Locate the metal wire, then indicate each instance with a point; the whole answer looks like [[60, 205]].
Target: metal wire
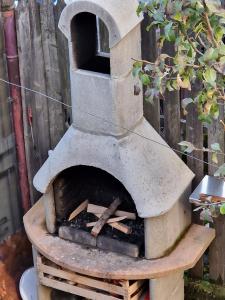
[[109, 122]]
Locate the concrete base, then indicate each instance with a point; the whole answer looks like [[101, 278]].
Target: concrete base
[[168, 288], [162, 232]]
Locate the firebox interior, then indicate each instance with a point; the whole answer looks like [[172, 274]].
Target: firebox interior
[[85, 40], [76, 184]]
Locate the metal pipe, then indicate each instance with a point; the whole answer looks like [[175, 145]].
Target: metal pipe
[[17, 110]]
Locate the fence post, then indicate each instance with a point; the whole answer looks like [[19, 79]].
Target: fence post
[[217, 252], [194, 134], [172, 109], [149, 52], [217, 249]]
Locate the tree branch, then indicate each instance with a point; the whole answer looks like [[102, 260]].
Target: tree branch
[[209, 25]]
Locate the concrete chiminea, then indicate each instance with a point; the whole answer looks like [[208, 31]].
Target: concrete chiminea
[[105, 114]]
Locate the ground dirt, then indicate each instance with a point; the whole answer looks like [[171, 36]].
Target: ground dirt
[[15, 257]]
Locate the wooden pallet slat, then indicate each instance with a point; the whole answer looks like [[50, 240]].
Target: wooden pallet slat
[[135, 286], [76, 290], [86, 281], [53, 276]]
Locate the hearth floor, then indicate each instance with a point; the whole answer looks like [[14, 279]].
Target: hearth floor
[[101, 264]]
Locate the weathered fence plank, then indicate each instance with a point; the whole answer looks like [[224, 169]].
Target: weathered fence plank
[[217, 249], [216, 135], [63, 59], [40, 70], [172, 130], [10, 214], [217, 252], [149, 52], [52, 72], [32, 75], [194, 134]]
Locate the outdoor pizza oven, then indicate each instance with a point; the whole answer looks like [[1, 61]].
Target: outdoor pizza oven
[[111, 153]]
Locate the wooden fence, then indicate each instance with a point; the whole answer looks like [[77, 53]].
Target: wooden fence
[[10, 209], [44, 66]]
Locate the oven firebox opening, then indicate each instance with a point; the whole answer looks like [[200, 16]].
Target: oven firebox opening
[[82, 194]]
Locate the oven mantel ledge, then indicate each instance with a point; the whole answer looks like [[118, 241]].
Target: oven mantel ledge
[[97, 263]]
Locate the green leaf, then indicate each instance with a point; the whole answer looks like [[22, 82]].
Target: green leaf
[[185, 83], [205, 118], [222, 209], [187, 147], [186, 101], [219, 32], [206, 215], [178, 16], [149, 67], [214, 210], [137, 67], [210, 54], [154, 23], [222, 59], [169, 86], [210, 76], [214, 157], [216, 147], [222, 50], [220, 172], [145, 79], [214, 110], [169, 32]]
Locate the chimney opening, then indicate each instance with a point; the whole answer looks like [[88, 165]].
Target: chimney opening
[[90, 39]]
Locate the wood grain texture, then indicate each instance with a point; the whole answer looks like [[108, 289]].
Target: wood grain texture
[[114, 266], [217, 252], [41, 69], [105, 216], [216, 135], [10, 213], [78, 210], [217, 249], [109, 221], [194, 135], [96, 209], [172, 130], [52, 72], [149, 52]]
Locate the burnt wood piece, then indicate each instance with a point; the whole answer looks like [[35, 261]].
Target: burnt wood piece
[[102, 242], [109, 244], [105, 216], [78, 210], [98, 210], [109, 221], [119, 226], [77, 236]]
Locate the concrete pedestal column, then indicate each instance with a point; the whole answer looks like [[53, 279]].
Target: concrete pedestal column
[[161, 234], [168, 288]]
